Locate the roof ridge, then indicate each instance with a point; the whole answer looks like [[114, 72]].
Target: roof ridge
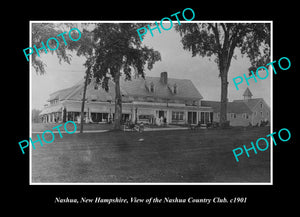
[[136, 86], [232, 107]]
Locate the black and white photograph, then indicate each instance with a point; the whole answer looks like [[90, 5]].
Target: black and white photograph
[[152, 107]]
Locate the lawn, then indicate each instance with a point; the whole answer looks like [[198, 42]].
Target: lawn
[[41, 127], [204, 155]]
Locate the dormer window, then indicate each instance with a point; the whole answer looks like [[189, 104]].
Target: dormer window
[[55, 101], [152, 87], [175, 89]]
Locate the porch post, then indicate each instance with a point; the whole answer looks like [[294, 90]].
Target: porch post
[[167, 116], [62, 114], [186, 116]]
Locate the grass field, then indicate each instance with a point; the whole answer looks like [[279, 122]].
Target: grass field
[[40, 127], [162, 156]]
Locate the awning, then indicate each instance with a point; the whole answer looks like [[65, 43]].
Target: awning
[[99, 107], [75, 107], [145, 111], [51, 109]]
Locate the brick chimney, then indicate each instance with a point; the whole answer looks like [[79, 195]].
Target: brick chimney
[[164, 77]]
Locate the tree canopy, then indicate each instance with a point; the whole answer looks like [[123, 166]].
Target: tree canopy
[[219, 40], [118, 49], [41, 32], [111, 50]]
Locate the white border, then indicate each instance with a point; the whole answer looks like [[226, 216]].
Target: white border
[[152, 183]]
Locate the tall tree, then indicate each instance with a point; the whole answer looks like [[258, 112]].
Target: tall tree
[[111, 49], [118, 51], [35, 115], [41, 32], [219, 40]]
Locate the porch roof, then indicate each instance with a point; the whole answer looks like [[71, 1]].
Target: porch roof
[[51, 109]]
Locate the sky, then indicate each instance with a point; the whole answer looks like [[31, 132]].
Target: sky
[[176, 61]]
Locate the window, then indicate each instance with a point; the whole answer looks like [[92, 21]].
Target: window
[[232, 115], [55, 101], [261, 114], [178, 116], [175, 89], [152, 87], [145, 117], [245, 115], [99, 117], [261, 105], [190, 102], [255, 113]]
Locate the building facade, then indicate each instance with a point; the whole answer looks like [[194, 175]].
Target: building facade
[[153, 100], [245, 112]]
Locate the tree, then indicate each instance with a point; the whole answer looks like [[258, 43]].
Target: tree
[[35, 115], [219, 40], [41, 32], [117, 51], [111, 49]]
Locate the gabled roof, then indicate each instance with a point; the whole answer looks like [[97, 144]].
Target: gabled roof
[[135, 87], [251, 103], [65, 93], [140, 87], [91, 93], [232, 107]]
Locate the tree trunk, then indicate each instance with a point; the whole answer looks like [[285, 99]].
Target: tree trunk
[[224, 93], [82, 104], [118, 102]]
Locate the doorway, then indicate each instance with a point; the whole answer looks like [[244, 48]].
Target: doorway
[[162, 116], [192, 117], [161, 113]]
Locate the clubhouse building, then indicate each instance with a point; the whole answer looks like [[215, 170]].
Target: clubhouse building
[[153, 100]]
